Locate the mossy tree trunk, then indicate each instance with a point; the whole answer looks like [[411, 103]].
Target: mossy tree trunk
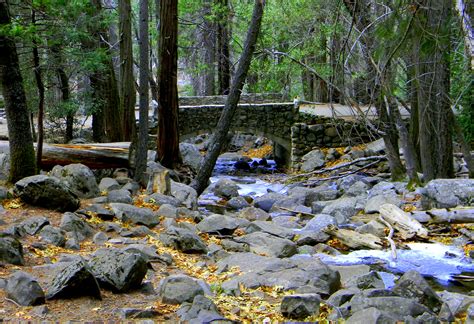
[[22, 154]]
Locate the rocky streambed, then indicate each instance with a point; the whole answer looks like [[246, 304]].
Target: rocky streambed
[[263, 251]]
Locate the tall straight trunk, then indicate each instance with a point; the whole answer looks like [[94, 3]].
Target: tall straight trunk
[[414, 132], [107, 121], [204, 55], [223, 55], [22, 154], [40, 86], [222, 128], [168, 136], [127, 81], [467, 24], [141, 155], [435, 118], [362, 20]]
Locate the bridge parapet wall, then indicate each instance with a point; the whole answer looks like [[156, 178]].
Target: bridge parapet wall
[[273, 121], [323, 132], [252, 98]]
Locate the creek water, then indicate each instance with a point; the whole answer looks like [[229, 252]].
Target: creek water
[[433, 260]]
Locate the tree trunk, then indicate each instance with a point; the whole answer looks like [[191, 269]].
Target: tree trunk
[[127, 81], [107, 123], [141, 155], [435, 118], [22, 155], [204, 55], [361, 18], [40, 86], [222, 128], [467, 24], [95, 156], [223, 55], [168, 136]]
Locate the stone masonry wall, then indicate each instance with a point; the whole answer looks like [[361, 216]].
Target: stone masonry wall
[[273, 121], [254, 98], [313, 132]]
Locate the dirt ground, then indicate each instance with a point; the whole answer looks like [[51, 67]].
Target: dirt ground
[[84, 309]]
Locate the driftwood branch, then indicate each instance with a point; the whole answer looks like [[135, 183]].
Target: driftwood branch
[[393, 247], [354, 239], [314, 182], [407, 226], [340, 166]]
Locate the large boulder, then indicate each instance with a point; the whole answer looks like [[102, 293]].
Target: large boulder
[[309, 274], [118, 270], [178, 289], [70, 222], [226, 188], [202, 310], [183, 240], [119, 196], [319, 222], [52, 235], [300, 306], [218, 224], [371, 316], [48, 192], [34, 224], [313, 160], [270, 228], [24, 289], [108, 184], [266, 201], [191, 155], [448, 193], [135, 215], [413, 285], [80, 179], [11, 250], [253, 213], [398, 307], [73, 279], [267, 244], [343, 208], [185, 194]]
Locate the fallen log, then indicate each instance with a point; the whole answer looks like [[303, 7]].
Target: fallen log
[[453, 216], [407, 226], [95, 156], [354, 239], [463, 215]]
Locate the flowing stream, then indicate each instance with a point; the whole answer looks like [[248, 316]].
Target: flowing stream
[[433, 260]]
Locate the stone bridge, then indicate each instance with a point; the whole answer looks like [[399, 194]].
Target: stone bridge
[[293, 131]]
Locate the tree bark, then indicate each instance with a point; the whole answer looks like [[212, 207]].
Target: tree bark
[[22, 155], [141, 154], [127, 81], [360, 11], [168, 136], [95, 156], [204, 55], [40, 86], [222, 128], [223, 55], [435, 118], [106, 122], [467, 24]]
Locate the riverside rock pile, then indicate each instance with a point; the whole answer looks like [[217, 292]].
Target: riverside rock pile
[[120, 253]]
